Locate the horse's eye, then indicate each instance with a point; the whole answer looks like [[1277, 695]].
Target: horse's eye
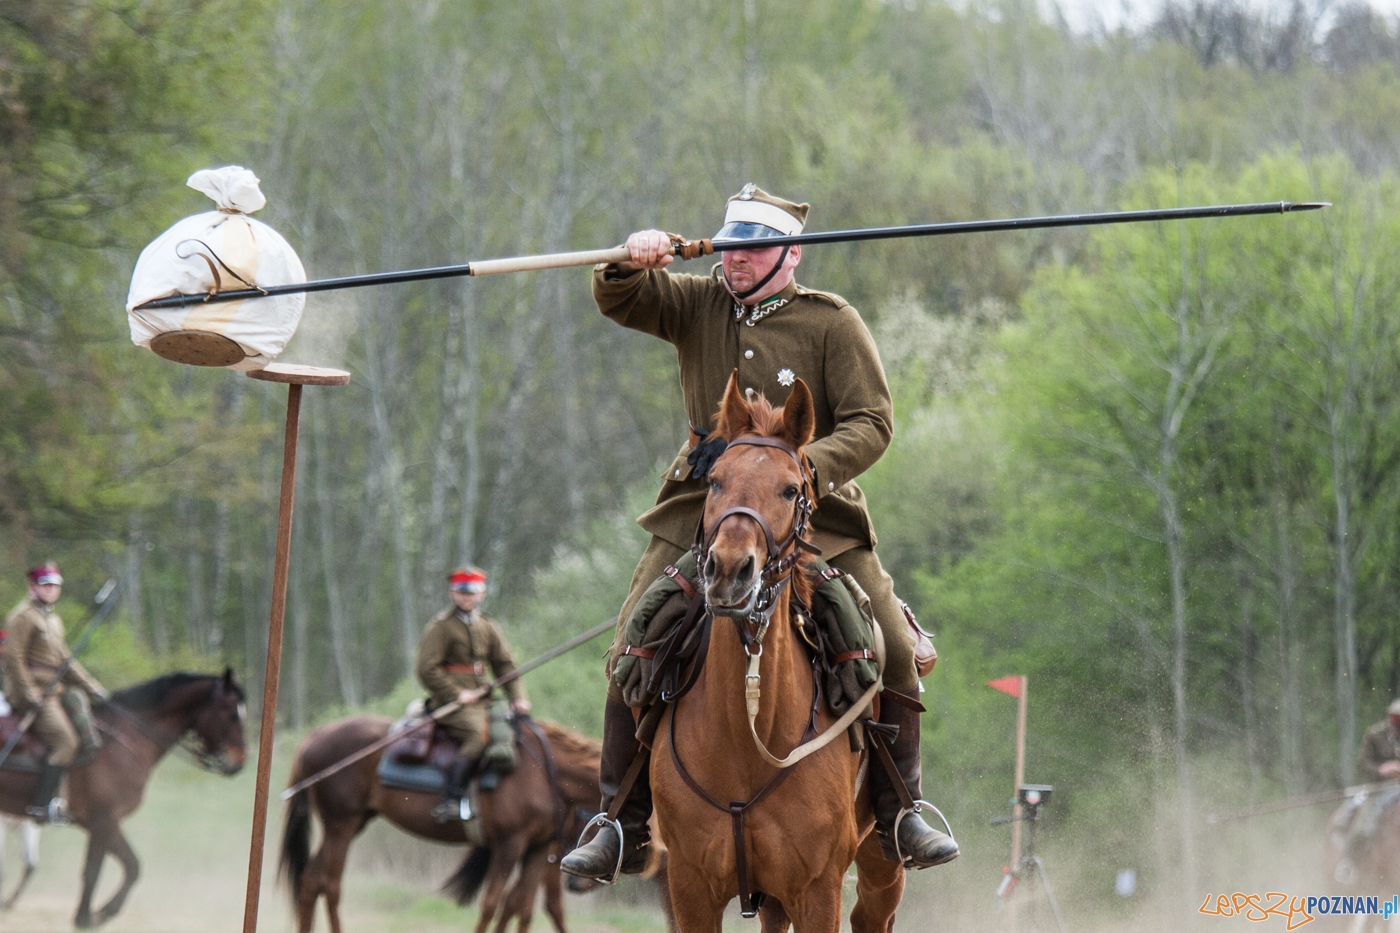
[[790, 493], [714, 486]]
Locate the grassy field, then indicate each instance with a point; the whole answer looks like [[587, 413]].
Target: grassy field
[[192, 835]]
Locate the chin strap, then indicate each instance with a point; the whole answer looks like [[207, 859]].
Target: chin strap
[[740, 296]]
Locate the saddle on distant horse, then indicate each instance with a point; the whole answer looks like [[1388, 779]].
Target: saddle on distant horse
[[28, 753]]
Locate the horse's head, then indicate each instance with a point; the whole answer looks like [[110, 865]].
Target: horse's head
[[217, 724], [759, 501]]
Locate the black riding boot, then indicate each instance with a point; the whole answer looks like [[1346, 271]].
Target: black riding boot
[[456, 798], [598, 859], [919, 845], [47, 806]]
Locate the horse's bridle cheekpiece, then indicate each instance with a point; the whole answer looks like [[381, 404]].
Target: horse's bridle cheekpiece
[[753, 618]]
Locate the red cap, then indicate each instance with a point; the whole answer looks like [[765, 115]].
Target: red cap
[[467, 580], [45, 573]]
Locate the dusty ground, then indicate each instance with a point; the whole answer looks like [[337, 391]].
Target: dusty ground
[[192, 834]]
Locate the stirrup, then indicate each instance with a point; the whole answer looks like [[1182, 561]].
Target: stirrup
[[1345, 872], [602, 820], [903, 812], [449, 810], [54, 813]]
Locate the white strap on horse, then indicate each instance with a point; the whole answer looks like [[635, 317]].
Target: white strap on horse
[[751, 698]]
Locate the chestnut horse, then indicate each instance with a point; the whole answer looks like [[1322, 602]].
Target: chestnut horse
[[202, 712], [803, 826], [520, 820]]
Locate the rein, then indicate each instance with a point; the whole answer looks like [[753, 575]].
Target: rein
[[749, 900], [753, 619], [168, 739], [559, 803], [752, 622]]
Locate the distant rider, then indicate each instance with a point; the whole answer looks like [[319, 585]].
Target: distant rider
[[35, 650], [461, 651], [1377, 760]]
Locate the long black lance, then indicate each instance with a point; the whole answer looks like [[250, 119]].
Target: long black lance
[[694, 249], [447, 709], [103, 603]]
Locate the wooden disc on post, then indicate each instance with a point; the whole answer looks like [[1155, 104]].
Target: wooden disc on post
[[296, 374], [197, 348]]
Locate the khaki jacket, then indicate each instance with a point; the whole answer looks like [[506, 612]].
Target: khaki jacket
[[35, 648], [1378, 746], [814, 336], [456, 655]]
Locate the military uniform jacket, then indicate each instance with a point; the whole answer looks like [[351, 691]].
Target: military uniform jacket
[[457, 654], [799, 333], [1378, 746], [34, 650]]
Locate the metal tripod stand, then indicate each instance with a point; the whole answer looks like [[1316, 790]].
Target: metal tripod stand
[[1031, 798]]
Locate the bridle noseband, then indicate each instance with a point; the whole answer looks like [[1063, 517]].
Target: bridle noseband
[[753, 618]]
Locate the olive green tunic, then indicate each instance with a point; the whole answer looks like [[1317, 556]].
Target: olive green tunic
[[799, 333], [460, 653], [35, 648], [1378, 746], [814, 336]]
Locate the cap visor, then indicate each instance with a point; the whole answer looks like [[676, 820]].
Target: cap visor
[[49, 578], [469, 587], [745, 231]]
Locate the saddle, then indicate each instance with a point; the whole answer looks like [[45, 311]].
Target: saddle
[[28, 754], [432, 747]]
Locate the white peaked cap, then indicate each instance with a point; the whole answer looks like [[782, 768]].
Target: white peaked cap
[[233, 187]]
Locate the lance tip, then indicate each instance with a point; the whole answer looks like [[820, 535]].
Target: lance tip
[[1305, 205]]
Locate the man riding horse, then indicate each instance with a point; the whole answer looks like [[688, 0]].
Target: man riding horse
[[751, 318], [1378, 760], [35, 651], [458, 649]]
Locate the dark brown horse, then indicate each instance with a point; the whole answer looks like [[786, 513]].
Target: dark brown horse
[[800, 832], [203, 712], [520, 821]]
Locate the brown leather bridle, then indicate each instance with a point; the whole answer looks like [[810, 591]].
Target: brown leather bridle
[[752, 619]]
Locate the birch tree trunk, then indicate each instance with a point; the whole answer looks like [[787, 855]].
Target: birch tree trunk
[[330, 571]]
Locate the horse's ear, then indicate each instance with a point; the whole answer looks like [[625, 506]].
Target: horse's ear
[[228, 677], [799, 416], [735, 420]]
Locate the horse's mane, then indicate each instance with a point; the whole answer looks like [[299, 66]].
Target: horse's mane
[[766, 420], [568, 742], [152, 693]]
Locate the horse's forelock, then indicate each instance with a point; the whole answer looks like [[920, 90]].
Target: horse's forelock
[[762, 418]]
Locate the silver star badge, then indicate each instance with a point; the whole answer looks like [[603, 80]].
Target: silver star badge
[[747, 193], [786, 377]]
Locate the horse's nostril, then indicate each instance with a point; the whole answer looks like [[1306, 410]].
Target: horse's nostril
[[710, 567], [745, 572]]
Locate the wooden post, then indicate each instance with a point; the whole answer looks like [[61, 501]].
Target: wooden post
[[295, 377], [1020, 774], [1017, 810]]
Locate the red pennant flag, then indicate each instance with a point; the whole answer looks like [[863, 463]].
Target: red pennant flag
[[1011, 686]]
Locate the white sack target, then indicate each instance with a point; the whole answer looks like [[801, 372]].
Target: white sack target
[[220, 250]]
